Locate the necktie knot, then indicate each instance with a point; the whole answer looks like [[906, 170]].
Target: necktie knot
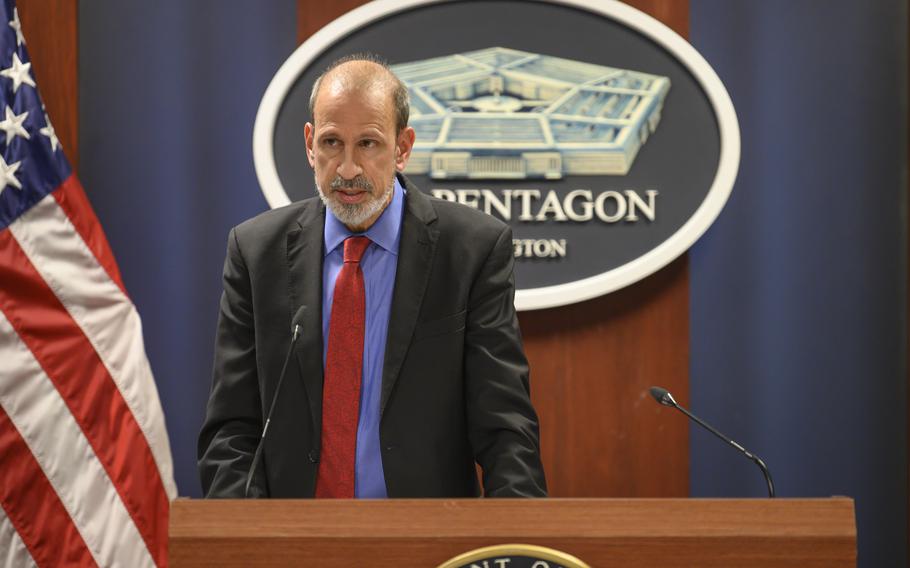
[[354, 247]]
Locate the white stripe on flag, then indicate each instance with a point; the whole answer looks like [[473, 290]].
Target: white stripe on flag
[[106, 316], [13, 551], [39, 413]]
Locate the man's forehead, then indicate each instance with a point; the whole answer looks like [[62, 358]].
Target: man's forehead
[[357, 77], [353, 106], [339, 92], [348, 104]]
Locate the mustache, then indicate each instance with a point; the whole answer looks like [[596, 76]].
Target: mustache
[[358, 182]]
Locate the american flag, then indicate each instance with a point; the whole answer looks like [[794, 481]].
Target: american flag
[[85, 466]]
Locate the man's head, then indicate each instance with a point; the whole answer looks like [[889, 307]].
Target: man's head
[[358, 138]]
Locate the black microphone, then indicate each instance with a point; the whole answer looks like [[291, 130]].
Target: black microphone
[[295, 333], [664, 397]]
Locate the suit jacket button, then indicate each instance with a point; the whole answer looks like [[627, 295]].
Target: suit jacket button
[[313, 456]]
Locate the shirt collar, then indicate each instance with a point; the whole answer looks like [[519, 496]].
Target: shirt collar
[[385, 232]]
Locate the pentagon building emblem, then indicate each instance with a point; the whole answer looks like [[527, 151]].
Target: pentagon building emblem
[[501, 113]]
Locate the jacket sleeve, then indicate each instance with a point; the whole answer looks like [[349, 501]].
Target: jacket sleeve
[[233, 418], [502, 423]]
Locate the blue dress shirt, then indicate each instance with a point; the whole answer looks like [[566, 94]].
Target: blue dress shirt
[[379, 264]]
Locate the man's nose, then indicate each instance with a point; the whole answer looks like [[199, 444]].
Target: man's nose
[[348, 168]]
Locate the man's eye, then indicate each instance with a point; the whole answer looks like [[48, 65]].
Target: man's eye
[[368, 143], [330, 142]]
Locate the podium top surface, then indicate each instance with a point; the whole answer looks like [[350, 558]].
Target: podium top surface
[[611, 533], [504, 518]]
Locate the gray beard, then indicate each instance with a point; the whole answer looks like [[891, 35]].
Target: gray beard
[[356, 214]]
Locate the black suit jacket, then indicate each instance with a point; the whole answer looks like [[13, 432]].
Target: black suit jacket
[[455, 378]]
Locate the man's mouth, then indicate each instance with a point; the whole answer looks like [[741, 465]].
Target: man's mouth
[[351, 195]]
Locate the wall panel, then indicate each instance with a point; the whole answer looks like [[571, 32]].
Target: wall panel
[[50, 28]]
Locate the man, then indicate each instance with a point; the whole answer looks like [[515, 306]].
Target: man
[[409, 365]]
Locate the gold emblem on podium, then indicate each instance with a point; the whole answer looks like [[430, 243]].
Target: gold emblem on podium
[[514, 556]]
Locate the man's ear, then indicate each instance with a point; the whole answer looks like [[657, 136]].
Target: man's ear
[[403, 147], [308, 129]]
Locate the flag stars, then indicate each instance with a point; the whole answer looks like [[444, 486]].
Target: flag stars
[[18, 73], [8, 175], [12, 125], [17, 26], [49, 132]]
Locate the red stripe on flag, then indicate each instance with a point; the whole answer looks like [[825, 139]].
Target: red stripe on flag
[[33, 507], [72, 364], [72, 199]]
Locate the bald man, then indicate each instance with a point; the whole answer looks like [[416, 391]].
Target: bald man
[[409, 368]]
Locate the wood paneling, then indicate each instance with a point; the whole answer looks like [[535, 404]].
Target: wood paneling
[[617, 533], [314, 14], [592, 363], [51, 36], [673, 13], [591, 366]]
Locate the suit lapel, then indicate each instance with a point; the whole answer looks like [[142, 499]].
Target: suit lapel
[[305, 266], [415, 260]]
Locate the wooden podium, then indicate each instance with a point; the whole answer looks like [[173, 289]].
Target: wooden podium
[[601, 532]]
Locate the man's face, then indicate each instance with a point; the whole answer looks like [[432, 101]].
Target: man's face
[[355, 152]]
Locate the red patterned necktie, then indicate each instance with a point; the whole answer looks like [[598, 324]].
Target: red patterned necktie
[[343, 370]]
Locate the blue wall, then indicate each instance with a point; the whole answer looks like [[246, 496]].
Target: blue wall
[[168, 95], [798, 291]]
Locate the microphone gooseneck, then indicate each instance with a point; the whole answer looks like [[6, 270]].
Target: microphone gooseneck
[[663, 396], [295, 333]]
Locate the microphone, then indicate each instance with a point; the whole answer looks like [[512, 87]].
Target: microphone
[[664, 397], [295, 333]]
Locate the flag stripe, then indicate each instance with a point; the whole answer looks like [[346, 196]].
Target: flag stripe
[[45, 424], [71, 198], [13, 551], [79, 375], [106, 316], [32, 505]]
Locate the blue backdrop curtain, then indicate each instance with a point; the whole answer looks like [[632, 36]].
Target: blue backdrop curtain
[[798, 291], [168, 95]]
